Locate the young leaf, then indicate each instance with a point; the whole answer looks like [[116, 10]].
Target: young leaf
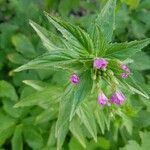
[[100, 44], [125, 50], [75, 35], [106, 19]]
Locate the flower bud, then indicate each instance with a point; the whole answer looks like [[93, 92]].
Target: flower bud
[[74, 79], [125, 68], [102, 99], [124, 75], [100, 63], [117, 98]]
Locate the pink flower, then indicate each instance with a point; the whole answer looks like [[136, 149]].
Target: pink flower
[[102, 99], [100, 63], [74, 79], [117, 98], [125, 68], [124, 75]]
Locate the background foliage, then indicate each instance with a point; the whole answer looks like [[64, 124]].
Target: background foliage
[[33, 127]]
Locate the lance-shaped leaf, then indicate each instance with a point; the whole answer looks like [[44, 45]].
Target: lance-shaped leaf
[[62, 125], [75, 128], [125, 50], [106, 19], [52, 139], [132, 86], [81, 91], [51, 60], [17, 141], [50, 40], [100, 117], [47, 95], [75, 35], [86, 116], [100, 43]]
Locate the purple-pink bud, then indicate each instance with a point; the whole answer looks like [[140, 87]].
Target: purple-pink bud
[[102, 99], [124, 75], [100, 63], [74, 79], [125, 68], [117, 98]]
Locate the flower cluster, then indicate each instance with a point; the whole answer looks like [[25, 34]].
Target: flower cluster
[[117, 97], [126, 71]]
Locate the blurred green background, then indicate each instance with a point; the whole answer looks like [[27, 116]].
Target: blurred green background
[[19, 44]]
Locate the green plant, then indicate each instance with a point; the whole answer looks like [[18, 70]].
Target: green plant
[[75, 53]]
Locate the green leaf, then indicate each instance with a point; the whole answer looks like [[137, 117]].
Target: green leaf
[[37, 85], [17, 143], [125, 50], [75, 35], [23, 45], [75, 128], [81, 91], [145, 136], [52, 60], [100, 117], [86, 116], [100, 44], [74, 144], [49, 39], [33, 137], [7, 90], [47, 95], [47, 115], [133, 86], [62, 125], [141, 61], [17, 58], [9, 109], [65, 6], [102, 143], [132, 145], [127, 122], [7, 125], [106, 19], [132, 3], [52, 139]]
